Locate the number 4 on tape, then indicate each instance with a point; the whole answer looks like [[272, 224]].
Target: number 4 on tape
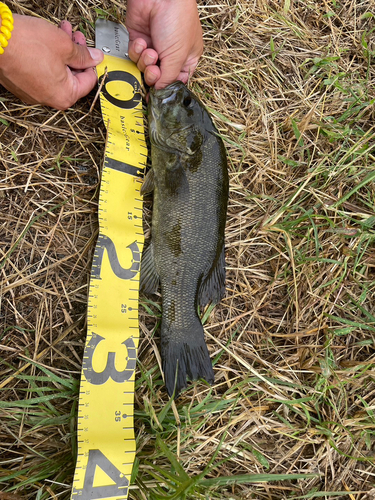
[[106, 444], [89, 492]]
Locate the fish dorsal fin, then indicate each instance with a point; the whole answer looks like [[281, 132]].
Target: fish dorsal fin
[[148, 183], [212, 288], [149, 282]]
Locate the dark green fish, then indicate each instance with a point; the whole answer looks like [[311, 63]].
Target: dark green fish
[[189, 178]]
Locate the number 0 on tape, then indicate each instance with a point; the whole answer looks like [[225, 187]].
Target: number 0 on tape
[[106, 444]]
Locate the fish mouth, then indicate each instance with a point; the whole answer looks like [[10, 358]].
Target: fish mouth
[[161, 134], [165, 95], [157, 98]]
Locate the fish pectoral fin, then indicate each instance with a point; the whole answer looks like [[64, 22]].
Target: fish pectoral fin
[[212, 288], [149, 282], [148, 183]]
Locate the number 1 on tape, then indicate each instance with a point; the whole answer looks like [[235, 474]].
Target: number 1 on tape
[[106, 444]]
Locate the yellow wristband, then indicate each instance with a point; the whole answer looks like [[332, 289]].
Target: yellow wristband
[[6, 27]]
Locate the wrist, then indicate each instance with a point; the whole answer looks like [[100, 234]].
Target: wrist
[[6, 26]]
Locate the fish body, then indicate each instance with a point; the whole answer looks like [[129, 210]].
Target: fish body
[[189, 178]]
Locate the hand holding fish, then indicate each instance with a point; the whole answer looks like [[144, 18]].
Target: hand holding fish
[[166, 31]]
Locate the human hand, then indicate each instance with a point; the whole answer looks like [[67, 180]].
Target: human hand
[[168, 31], [44, 64]]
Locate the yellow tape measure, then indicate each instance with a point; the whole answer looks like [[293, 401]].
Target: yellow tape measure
[[106, 444]]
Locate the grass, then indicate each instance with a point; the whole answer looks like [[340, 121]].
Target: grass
[[290, 86]]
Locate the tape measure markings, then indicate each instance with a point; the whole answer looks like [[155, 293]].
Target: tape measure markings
[[106, 444], [123, 167]]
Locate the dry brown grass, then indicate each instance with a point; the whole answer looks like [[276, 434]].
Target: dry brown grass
[[291, 87]]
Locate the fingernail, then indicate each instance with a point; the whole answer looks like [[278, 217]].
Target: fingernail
[[96, 54], [151, 77], [149, 59], [138, 48]]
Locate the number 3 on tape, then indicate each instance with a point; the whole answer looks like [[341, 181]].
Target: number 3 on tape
[[106, 444]]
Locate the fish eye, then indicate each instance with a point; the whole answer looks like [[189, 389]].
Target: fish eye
[[187, 102]]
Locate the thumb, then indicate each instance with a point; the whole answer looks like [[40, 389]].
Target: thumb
[[82, 57], [169, 70]]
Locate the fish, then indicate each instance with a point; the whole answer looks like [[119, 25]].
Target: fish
[[185, 256]]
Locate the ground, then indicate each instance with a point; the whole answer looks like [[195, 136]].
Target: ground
[[290, 85]]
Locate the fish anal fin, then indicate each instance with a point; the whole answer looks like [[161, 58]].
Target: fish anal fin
[[149, 282], [212, 288]]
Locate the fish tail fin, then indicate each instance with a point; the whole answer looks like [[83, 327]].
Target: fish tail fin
[[185, 354]]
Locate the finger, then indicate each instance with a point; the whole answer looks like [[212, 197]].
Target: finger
[[84, 82], [81, 57], [136, 47], [67, 27], [79, 38], [183, 77], [148, 57], [78, 84], [152, 74], [171, 72]]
